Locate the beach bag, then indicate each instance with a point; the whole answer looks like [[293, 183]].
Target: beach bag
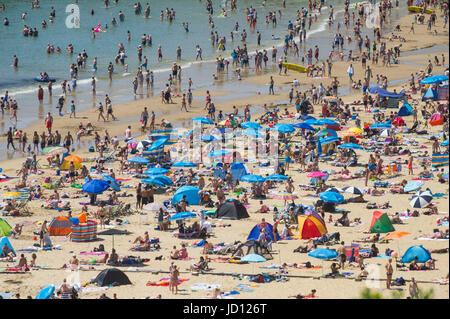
[[308, 264], [399, 282], [92, 149]]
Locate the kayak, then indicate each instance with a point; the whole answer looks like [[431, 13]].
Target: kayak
[[419, 9], [295, 67], [45, 80]]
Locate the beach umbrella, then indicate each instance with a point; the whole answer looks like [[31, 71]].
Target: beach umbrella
[[160, 142], [253, 178], [139, 160], [355, 130], [253, 258], [328, 140], [53, 150], [352, 146], [253, 133], [378, 126], [183, 215], [162, 178], [95, 186], [156, 171], [143, 144], [284, 128], [154, 207], [184, 164], [445, 143], [334, 189], [227, 123], [421, 199], [251, 125], [277, 177], [412, 252], [207, 138], [326, 122], [326, 133], [312, 121], [202, 120], [331, 197], [413, 186], [308, 117], [46, 292], [323, 253], [284, 196], [131, 140], [219, 153], [73, 158], [352, 190], [112, 183], [434, 79], [304, 126], [317, 174], [154, 181]]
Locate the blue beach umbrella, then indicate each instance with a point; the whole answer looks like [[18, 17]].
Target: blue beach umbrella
[[153, 181], [311, 122], [218, 153], [331, 197], [158, 144], [328, 140], [156, 171], [253, 258], [207, 138], [277, 177], [184, 164], [139, 160], [162, 178], [95, 186], [252, 125], [304, 126], [323, 253], [183, 215], [46, 292], [326, 122], [203, 120], [352, 146], [253, 178], [253, 133], [445, 143], [284, 128], [308, 117], [191, 192], [416, 251], [413, 186], [112, 183], [434, 79]]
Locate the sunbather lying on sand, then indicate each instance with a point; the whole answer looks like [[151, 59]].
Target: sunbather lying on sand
[[311, 295], [101, 260]]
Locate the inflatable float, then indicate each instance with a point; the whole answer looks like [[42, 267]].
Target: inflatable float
[[437, 122], [295, 67], [45, 80], [419, 9]]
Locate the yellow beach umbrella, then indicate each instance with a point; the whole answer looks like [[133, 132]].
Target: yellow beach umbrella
[[355, 130], [73, 158]]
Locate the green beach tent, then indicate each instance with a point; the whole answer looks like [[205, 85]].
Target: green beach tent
[[381, 223], [5, 229]]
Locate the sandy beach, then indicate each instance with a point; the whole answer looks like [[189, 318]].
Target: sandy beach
[[232, 276]]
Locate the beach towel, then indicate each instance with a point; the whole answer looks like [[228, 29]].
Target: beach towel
[[204, 286], [164, 282], [342, 275], [423, 238]]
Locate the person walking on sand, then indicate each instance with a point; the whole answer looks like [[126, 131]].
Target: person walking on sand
[[183, 102], [10, 139], [173, 282], [342, 255], [389, 273], [100, 112], [410, 164], [49, 122], [413, 289], [40, 94], [350, 72], [72, 110]]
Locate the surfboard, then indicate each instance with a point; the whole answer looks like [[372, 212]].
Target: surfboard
[[295, 67], [419, 9]]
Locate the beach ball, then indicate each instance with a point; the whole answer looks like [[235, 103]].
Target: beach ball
[[34, 238]]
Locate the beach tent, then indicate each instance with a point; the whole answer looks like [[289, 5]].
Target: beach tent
[[256, 231], [238, 170], [84, 232], [381, 223], [112, 276], [430, 94], [60, 226], [310, 227], [404, 109], [191, 192], [232, 209], [5, 240], [5, 228], [416, 251]]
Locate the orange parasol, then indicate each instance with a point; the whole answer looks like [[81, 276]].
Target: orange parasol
[[396, 235]]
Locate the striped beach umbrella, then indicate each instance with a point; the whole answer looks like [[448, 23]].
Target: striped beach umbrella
[[421, 199], [352, 190]]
